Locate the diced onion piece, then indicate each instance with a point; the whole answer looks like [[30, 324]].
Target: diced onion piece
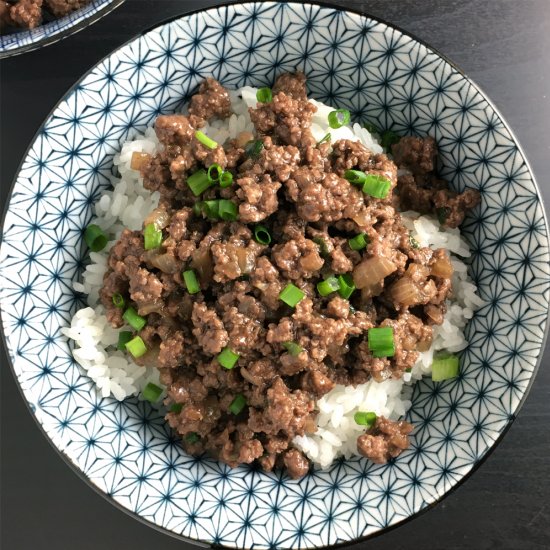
[[156, 306], [159, 217], [405, 292], [245, 259], [202, 263], [138, 159], [372, 271], [442, 268], [424, 345], [165, 262], [243, 138]]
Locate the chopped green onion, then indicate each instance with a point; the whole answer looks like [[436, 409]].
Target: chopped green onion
[[124, 336], [198, 182], [444, 367], [347, 286], [328, 286], [238, 404], [205, 140], [370, 127], [151, 392], [95, 238], [137, 322], [262, 235], [376, 186], [365, 418], [339, 118], [442, 214], [355, 177], [118, 300], [192, 437], [226, 179], [381, 342], [152, 237], [136, 346], [323, 248], [388, 138], [227, 210], [359, 242], [209, 208], [254, 148], [291, 295], [228, 359], [176, 408], [293, 348], [264, 95], [413, 242], [191, 281], [327, 137], [214, 173]]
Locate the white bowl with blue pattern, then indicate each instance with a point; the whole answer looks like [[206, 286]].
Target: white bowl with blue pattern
[[125, 450], [56, 29]]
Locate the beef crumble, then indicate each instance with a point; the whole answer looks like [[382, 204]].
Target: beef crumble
[[29, 14], [296, 189], [421, 190]]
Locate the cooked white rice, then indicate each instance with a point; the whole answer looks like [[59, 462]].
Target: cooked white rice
[[129, 203]]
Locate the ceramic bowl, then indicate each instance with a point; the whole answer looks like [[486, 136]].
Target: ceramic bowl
[[381, 74], [56, 29]]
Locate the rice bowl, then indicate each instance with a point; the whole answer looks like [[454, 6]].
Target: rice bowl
[[456, 430], [129, 203]]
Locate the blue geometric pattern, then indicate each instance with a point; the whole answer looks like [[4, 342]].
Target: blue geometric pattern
[[381, 75], [27, 40]]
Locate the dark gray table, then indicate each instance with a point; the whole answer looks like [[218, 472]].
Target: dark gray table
[[504, 46]]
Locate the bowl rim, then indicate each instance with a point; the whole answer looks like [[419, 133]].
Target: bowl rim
[[315, 3], [71, 29]]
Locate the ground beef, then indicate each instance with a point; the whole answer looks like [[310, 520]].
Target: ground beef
[[416, 154], [63, 7], [29, 14], [26, 13], [292, 84], [386, 439], [277, 359], [422, 191], [287, 118], [297, 465], [259, 199], [211, 101]]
